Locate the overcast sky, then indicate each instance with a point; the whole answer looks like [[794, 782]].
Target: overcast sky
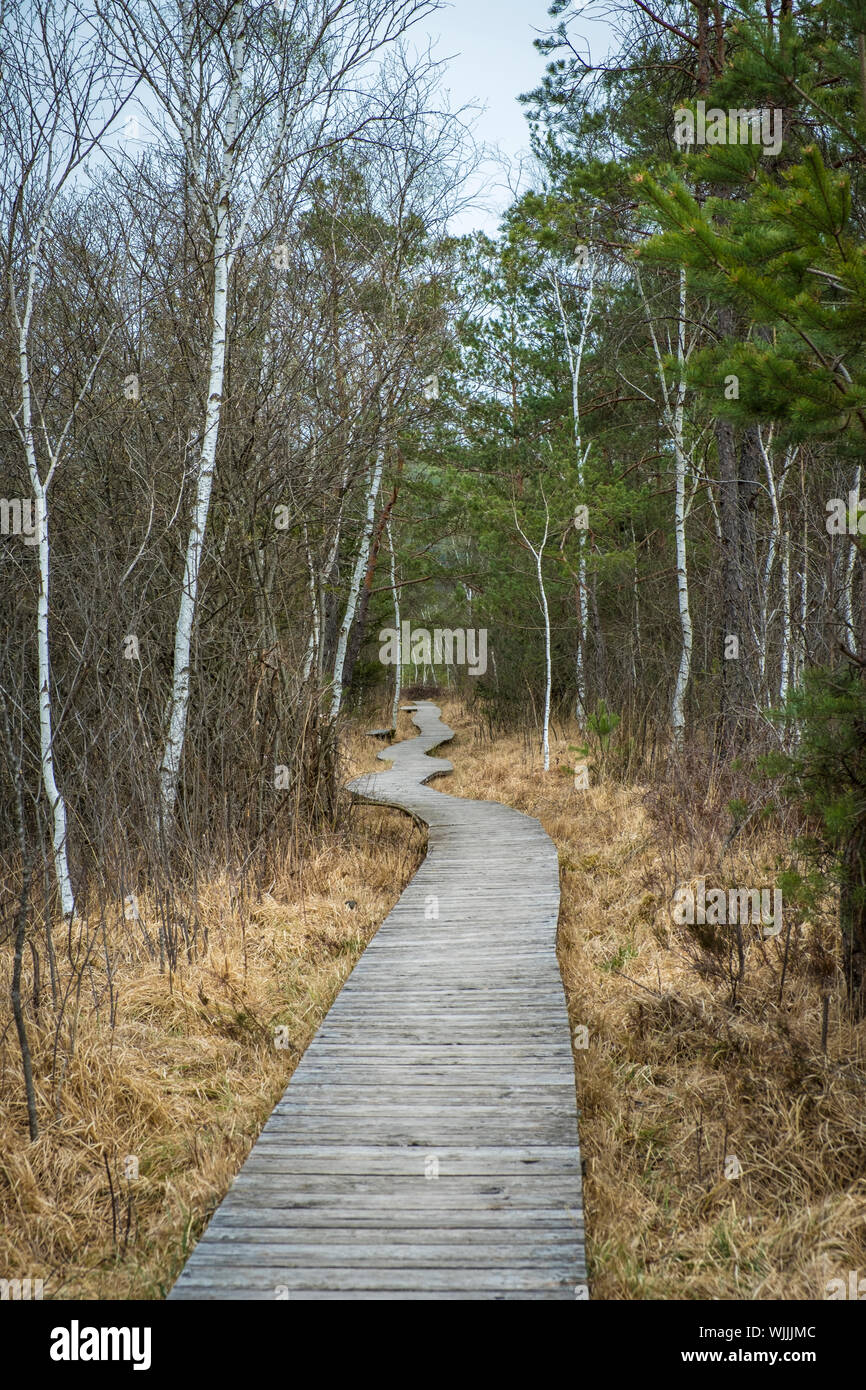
[[486, 47], [491, 61]]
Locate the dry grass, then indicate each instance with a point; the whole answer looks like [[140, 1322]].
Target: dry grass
[[675, 1078], [189, 1072]]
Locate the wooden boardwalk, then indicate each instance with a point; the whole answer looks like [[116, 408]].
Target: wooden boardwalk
[[426, 1145]]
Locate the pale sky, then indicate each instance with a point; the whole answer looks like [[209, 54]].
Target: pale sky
[[486, 47], [492, 60]]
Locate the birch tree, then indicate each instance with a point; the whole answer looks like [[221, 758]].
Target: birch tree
[[574, 349], [673, 414], [537, 553], [846, 603], [59, 100], [398, 667], [800, 646], [251, 98], [779, 543], [361, 559]]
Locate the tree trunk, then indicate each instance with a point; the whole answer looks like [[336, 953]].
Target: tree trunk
[[355, 587], [169, 769], [359, 626], [852, 918], [798, 651], [575, 353], [732, 586], [398, 669], [678, 716], [56, 803], [548, 672], [849, 630], [315, 637], [748, 493], [785, 656]]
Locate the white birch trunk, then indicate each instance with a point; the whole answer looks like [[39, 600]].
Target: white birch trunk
[[542, 599], [398, 676], [56, 802], [674, 412], [775, 546], [780, 541], [40, 487], [355, 587], [315, 625], [847, 598], [575, 362], [799, 650], [580, 709], [325, 573], [785, 657], [678, 717], [772, 547], [545, 731], [169, 768]]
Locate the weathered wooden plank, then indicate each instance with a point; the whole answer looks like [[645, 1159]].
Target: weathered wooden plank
[[241, 1292], [239, 1249], [428, 1135], [456, 1070], [351, 1108], [423, 1054], [474, 1160], [549, 1275], [483, 1191], [426, 1146], [466, 1225]]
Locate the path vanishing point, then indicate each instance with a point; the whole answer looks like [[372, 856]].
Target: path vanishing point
[[426, 1146]]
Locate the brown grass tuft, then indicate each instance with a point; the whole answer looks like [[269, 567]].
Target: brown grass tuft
[[187, 1072]]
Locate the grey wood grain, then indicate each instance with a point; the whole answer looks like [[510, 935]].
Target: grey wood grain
[[426, 1146]]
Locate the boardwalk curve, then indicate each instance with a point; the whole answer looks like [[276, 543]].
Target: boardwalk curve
[[426, 1146]]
